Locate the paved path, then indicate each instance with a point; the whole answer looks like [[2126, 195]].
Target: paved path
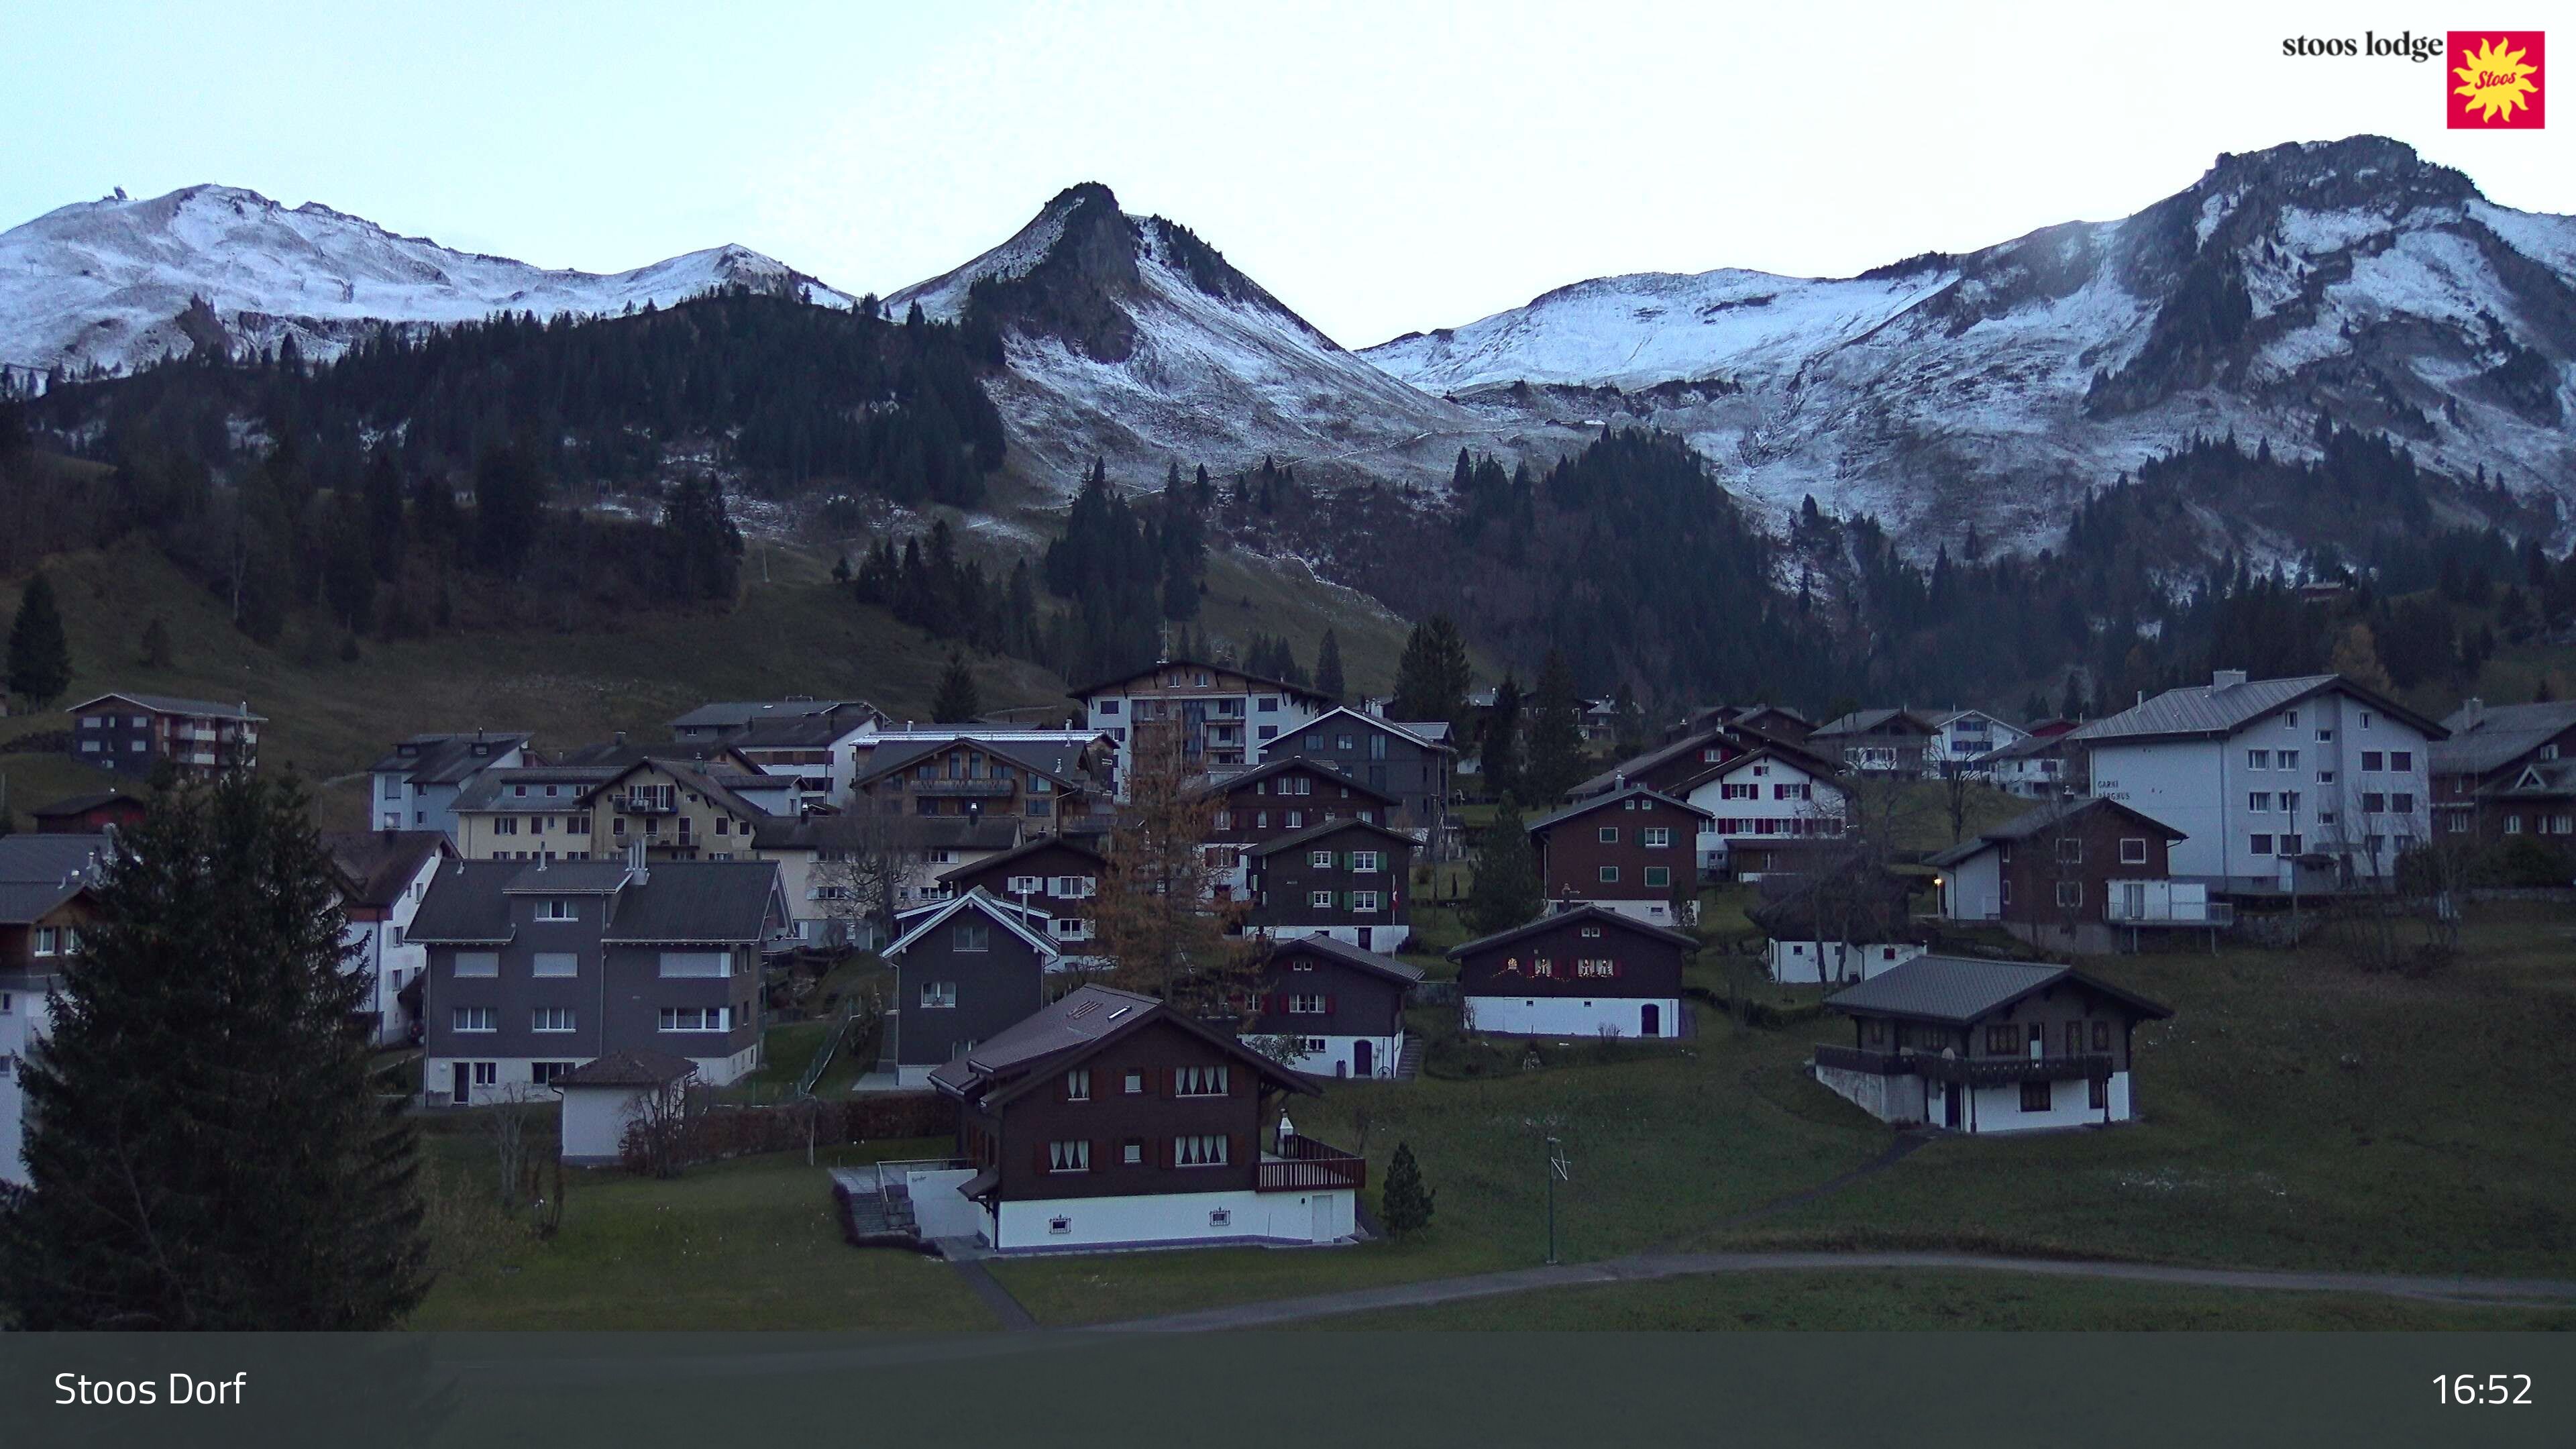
[[984, 1285], [1646, 1267]]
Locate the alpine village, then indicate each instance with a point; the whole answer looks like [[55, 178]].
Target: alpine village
[[775, 809]]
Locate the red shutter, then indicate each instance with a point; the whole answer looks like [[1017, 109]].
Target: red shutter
[[1328, 1005], [1041, 1152]]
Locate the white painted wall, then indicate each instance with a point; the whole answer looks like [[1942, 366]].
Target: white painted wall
[[1333, 1056], [438, 1082], [1568, 1016], [1655, 912], [1814, 963], [1889, 1099], [1973, 889], [22, 1025], [594, 1122], [1766, 815], [1998, 1109], [1385, 940], [1185, 1217], [939, 1209]]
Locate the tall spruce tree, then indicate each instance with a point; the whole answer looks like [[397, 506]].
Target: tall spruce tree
[[1432, 677], [207, 1144], [40, 658], [1507, 890], [1500, 751], [959, 701], [1406, 1203], [1556, 760], [1328, 667]]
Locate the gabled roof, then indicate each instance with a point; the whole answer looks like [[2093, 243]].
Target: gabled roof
[[1108, 686], [1294, 839], [621, 754], [173, 704], [69, 806], [1403, 973], [1059, 761], [1228, 784], [976, 900], [490, 789], [1602, 914], [2490, 737], [1603, 802], [379, 865], [567, 878], [802, 732], [38, 873], [465, 906], [2211, 711], [1812, 766], [1031, 848], [1744, 740], [2049, 817], [1071, 1028], [738, 713], [698, 902], [1291, 740], [1876, 721], [448, 759], [1941, 719], [2026, 748], [1958, 990], [634, 1067], [2540, 780]]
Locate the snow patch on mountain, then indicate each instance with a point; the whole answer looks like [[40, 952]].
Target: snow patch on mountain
[[102, 284]]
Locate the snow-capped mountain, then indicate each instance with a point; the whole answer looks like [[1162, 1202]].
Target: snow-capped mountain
[[2349, 280], [1129, 337], [107, 283]]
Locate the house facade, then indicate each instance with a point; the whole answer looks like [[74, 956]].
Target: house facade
[[1387, 757], [1330, 1009], [2501, 775], [536, 967], [1106, 1119], [1053, 877], [135, 734], [1280, 798], [1761, 805], [2035, 767], [1345, 879], [1895, 742], [384, 874], [1962, 737], [45, 903], [669, 809], [1225, 716], [2073, 874], [1970, 1045], [415, 785], [964, 973], [1586, 972], [1633, 850], [2257, 775], [1045, 789], [90, 814]]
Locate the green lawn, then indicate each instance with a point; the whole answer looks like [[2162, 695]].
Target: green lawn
[[1872, 1299], [747, 1244]]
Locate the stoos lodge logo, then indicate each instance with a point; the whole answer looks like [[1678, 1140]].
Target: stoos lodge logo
[[2493, 80]]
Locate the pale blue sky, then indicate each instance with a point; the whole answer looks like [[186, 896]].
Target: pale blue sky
[[1381, 167]]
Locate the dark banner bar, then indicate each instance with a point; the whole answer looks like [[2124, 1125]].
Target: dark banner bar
[[1300, 1389]]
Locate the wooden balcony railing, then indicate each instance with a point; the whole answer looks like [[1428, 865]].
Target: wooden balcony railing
[[1966, 1071], [1309, 1166]]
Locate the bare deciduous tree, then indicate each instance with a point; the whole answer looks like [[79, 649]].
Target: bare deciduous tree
[[1157, 917]]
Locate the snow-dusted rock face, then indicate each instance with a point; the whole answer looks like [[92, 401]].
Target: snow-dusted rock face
[[1129, 337], [2347, 279], [105, 283]]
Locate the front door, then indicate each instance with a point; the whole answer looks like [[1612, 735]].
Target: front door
[[462, 1093], [1950, 1106], [1364, 1058], [1650, 1020]]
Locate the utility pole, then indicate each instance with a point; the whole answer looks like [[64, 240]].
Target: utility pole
[[1557, 1168]]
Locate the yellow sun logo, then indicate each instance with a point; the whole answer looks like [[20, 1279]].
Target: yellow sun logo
[[2494, 81]]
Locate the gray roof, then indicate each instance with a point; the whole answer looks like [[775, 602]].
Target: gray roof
[[1012, 919], [1291, 740], [2027, 747], [2202, 711], [490, 790], [464, 904], [1103, 686], [1297, 838], [1962, 989], [46, 858], [1603, 914], [381, 864], [1872, 721], [2047, 817], [1216, 783], [1585, 807], [2495, 736], [23, 903], [173, 704], [737, 713], [1030, 847], [567, 878], [1058, 760], [1387, 966], [2550, 780], [635, 1067], [804, 731], [447, 759], [677, 901], [1084, 1017]]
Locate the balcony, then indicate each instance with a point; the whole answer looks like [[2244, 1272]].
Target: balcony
[[962, 787], [649, 804], [1966, 1071], [1310, 1166], [2121, 912]]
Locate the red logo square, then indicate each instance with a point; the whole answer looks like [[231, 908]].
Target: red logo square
[[2492, 80]]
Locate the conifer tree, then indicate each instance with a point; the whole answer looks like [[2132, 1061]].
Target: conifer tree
[[40, 658], [959, 702], [1500, 750], [1556, 761], [207, 1145], [1432, 677], [1405, 1205], [1328, 667], [1506, 890]]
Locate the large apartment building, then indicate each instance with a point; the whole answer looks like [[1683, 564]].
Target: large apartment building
[[1225, 715], [135, 734]]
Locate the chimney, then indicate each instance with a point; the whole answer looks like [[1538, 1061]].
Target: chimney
[[2473, 712], [2226, 678], [619, 738], [636, 873]]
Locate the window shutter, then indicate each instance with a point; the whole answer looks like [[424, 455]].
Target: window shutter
[[1039, 1149], [1328, 1005]]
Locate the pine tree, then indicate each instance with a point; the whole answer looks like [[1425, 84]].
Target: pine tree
[[1506, 890], [1500, 750], [1328, 667], [1405, 1204], [207, 1148], [959, 701], [1556, 760], [40, 658], [1432, 677]]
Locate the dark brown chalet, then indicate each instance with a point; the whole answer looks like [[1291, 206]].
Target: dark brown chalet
[[2504, 776], [2072, 874], [1286, 796], [1411, 762], [1634, 850], [1344, 879], [1106, 1118], [1050, 788], [1052, 876], [1585, 972], [90, 814], [1330, 1009], [1676, 766]]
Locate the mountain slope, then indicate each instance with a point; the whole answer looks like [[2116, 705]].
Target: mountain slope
[[1129, 337], [2346, 280], [106, 283]]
